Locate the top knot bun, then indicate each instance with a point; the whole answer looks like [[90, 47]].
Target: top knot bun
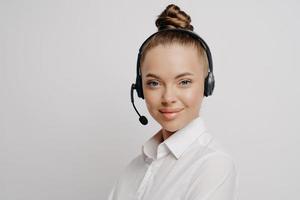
[[173, 17]]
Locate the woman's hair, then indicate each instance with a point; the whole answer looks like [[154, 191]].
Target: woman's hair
[[173, 17]]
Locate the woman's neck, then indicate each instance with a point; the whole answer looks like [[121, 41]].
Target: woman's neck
[[166, 134]]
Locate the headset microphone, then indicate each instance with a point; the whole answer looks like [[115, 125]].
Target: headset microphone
[[142, 119]]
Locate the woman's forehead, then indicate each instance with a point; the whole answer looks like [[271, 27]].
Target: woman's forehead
[[171, 58]]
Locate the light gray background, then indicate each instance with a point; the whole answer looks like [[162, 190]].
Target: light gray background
[[67, 126]]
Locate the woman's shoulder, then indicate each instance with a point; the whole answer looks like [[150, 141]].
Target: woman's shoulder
[[132, 166], [216, 161], [136, 162], [211, 151], [214, 171]]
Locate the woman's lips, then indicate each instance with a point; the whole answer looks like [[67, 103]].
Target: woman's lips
[[170, 114]]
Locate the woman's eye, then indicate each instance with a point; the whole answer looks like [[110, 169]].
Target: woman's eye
[[186, 82], [152, 83]]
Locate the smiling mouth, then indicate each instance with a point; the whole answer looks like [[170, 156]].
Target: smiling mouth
[[170, 115]]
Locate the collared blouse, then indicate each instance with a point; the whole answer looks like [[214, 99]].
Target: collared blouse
[[189, 165]]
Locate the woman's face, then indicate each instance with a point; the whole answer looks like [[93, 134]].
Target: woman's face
[[173, 85]]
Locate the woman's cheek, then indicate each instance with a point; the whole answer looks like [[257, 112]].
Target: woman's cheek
[[152, 98], [193, 97], [152, 103]]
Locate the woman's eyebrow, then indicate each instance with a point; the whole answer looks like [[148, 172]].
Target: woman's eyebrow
[[178, 76]]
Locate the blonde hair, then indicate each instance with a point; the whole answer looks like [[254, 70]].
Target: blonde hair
[[173, 17]]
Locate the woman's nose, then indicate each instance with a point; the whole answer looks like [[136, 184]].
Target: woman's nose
[[168, 96]]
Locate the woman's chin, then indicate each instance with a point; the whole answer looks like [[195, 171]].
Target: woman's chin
[[170, 127]]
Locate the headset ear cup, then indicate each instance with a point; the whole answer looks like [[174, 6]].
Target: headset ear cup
[[139, 88], [209, 84]]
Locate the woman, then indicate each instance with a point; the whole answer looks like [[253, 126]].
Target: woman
[[182, 161]]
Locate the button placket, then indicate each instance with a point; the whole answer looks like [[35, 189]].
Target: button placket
[[146, 179]]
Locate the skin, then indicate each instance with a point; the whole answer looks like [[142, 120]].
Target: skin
[[165, 91]]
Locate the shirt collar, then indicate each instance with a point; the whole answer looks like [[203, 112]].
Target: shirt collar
[[154, 147]]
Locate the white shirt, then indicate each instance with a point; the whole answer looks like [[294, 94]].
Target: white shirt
[[188, 165]]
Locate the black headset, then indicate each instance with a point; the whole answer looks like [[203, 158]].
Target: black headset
[[209, 83]]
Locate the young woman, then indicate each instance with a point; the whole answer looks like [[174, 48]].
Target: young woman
[[182, 161]]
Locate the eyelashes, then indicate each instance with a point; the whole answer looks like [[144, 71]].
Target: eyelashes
[[154, 84], [187, 82], [150, 83]]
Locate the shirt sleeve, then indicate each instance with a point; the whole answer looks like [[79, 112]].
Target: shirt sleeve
[[215, 179]]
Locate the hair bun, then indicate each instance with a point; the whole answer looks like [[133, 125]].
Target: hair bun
[[173, 17]]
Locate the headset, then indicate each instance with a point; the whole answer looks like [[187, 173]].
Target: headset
[[209, 83]]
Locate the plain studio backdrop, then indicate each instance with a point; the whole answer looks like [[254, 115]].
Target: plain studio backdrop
[[67, 126]]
